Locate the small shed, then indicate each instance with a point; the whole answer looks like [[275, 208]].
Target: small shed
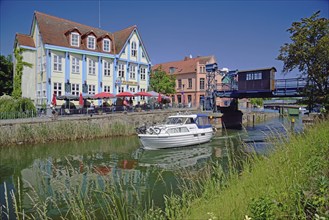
[[257, 80]]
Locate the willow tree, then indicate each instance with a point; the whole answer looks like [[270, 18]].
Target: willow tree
[[20, 64], [161, 82], [309, 53]]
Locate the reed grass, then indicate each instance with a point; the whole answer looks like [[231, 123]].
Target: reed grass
[[63, 130], [292, 183], [79, 195]]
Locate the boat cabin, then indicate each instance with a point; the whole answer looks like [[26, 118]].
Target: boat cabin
[[201, 120]]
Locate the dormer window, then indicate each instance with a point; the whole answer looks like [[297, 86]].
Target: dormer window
[[172, 70], [133, 49], [106, 45], [75, 39], [91, 42]]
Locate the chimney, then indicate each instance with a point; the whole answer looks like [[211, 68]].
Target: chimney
[[187, 58]]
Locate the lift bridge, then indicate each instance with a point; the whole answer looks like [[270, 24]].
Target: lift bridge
[[229, 88]]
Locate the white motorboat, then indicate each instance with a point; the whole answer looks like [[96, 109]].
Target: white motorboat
[[178, 131]]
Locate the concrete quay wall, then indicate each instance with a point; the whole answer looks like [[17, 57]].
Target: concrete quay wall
[[41, 130], [249, 118]]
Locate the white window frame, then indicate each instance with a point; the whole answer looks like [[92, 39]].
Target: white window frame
[[121, 89], [91, 42], [121, 70], [106, 68], [75, 39], [75, 89], [57, 87], [106, 88], [132, 72], [179, 83], [44, 90], [133, 49], [143, 73], [39, 90], [132, 89], [91, 67], [57, 63], [75, 65], [91, 89], [190, 83], [202, 84], [143, 97], [107, 47]]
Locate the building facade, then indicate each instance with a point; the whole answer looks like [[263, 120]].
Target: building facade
[[69, 58], [191, 79]]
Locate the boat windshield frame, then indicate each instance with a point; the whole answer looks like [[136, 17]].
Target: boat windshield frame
[[179, 120]]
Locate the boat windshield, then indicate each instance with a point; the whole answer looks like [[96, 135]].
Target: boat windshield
[[179, 120]]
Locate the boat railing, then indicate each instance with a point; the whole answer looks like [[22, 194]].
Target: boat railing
[[184, 113]]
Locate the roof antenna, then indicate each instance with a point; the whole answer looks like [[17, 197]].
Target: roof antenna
[[99, 13]]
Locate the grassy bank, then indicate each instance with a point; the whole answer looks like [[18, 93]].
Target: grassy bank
[[293, 183], [63, 130]]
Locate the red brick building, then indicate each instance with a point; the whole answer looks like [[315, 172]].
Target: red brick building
[[191, 79]]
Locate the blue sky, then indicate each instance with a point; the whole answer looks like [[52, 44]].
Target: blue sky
[[241, 34]]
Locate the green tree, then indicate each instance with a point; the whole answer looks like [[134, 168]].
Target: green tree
[[161, 82], [309, 53], [20, 64], [6, 75], [257, 101]]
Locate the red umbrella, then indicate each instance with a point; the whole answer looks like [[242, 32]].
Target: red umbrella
[[124, 94], [53, 101], [80, 99], [142, 94], [159, 98], [103, 95]]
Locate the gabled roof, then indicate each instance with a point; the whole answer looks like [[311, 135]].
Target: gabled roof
[[121, 37], [25, 40], [188, 65], [54, 30]]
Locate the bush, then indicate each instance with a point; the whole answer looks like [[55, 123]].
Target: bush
[[16, 108]]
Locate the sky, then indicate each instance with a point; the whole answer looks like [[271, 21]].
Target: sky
[[241, 34]]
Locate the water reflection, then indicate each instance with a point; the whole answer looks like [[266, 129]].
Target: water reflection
[[173, 158], [47, 168]]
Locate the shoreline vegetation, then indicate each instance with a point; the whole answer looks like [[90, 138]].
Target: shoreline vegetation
[[85, 128], [65, 130], [291, 183]]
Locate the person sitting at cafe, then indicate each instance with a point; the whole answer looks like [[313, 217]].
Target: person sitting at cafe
[[138, 106], [126, 104]]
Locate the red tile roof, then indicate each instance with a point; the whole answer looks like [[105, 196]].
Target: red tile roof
[[25, 40], [54, 31], [120, 37], [188, 65]]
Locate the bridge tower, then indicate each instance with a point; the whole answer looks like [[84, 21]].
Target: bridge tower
[[212, 71]]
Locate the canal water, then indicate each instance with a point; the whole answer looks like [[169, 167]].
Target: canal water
[[122, 160]]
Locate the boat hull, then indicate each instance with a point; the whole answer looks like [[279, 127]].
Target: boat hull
[[171, 141]]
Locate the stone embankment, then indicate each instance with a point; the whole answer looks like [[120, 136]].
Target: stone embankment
[[45, 129]]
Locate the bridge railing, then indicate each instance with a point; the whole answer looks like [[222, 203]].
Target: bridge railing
[[294, 83]]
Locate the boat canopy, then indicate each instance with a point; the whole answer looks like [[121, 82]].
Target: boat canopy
[[202, 121]]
